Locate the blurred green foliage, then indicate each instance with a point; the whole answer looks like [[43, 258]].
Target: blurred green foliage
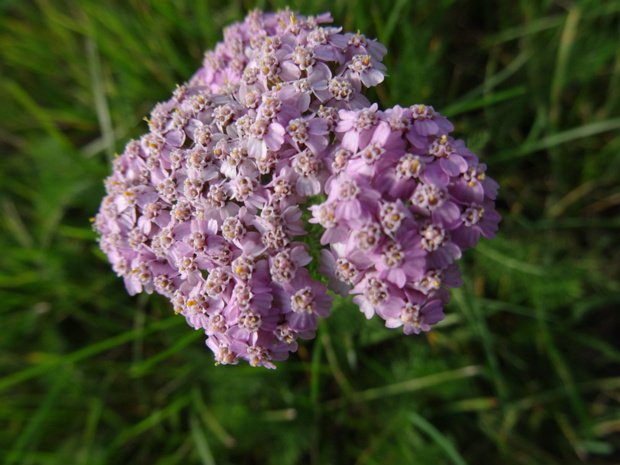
[[525, 368]]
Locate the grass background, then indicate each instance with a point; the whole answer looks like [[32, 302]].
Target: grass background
[[525, 368]]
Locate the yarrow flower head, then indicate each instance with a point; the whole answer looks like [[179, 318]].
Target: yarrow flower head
[[206, 209]]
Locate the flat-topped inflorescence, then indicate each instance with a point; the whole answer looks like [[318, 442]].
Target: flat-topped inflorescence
[[207, 207], [403, 203]]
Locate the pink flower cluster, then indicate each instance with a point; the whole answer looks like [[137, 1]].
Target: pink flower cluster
[[404, 199], [205, 208]]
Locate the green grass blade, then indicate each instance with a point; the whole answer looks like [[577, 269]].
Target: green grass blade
[[85, 353], [443, 442], [202, 445]]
